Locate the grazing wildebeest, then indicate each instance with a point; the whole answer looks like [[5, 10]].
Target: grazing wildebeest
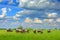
[[40, 31], [19, 30], [9, 30], [25, 30], [34, 31], [49, 30]]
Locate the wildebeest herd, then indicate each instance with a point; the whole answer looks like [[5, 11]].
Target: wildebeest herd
[[21, 30]]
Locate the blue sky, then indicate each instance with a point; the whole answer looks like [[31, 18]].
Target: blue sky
[[14, 13]]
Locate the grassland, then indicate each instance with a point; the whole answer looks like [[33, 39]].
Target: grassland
[[53, 35]]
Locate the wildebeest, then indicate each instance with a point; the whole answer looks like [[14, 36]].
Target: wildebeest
[[34, 31], [19, 30], [25, 30], [49, 30], [22, 30], [9, 30], [40, 31]]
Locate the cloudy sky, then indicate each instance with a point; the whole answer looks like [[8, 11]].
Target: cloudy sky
[[30, 13]]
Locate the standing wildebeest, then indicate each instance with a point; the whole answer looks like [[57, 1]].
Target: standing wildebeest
[[40, 31], [34, 31], [19, 30], [22, 30], [25, 30], [9, 30], [49, 30]]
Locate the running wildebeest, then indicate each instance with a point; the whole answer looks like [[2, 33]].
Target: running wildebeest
[[9, 30]]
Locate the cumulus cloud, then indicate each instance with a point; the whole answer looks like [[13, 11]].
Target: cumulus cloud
[[40, 14], [49, 20], [3, 12], [31, 13], [38, 4], [27, 12], [16, 18], [33, 3], [36, 20], [52, 15], [58, 19], [28, 20]]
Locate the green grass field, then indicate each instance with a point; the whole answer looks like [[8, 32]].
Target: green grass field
[[54, 35]]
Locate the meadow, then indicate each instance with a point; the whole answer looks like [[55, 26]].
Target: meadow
[[53, 35]]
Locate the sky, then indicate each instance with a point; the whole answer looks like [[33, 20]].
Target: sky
[[30, 13]]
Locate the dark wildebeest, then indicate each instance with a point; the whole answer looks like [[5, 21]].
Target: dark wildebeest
[[17, 30], [9, 30], [34, 31], [40, 31], [49, 30], [26, 31]]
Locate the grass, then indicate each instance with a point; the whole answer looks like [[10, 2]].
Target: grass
[[54, 35]]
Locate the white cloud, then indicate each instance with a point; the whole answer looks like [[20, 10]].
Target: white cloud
[[28, 20], [33, 3], [27, 12], [52, 14], [38, 4], [31, 13], [49, 20], [4, 10], [17, 15], [1, 0], [36, 20], [16, 18], [36, 13], [58, 19]]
